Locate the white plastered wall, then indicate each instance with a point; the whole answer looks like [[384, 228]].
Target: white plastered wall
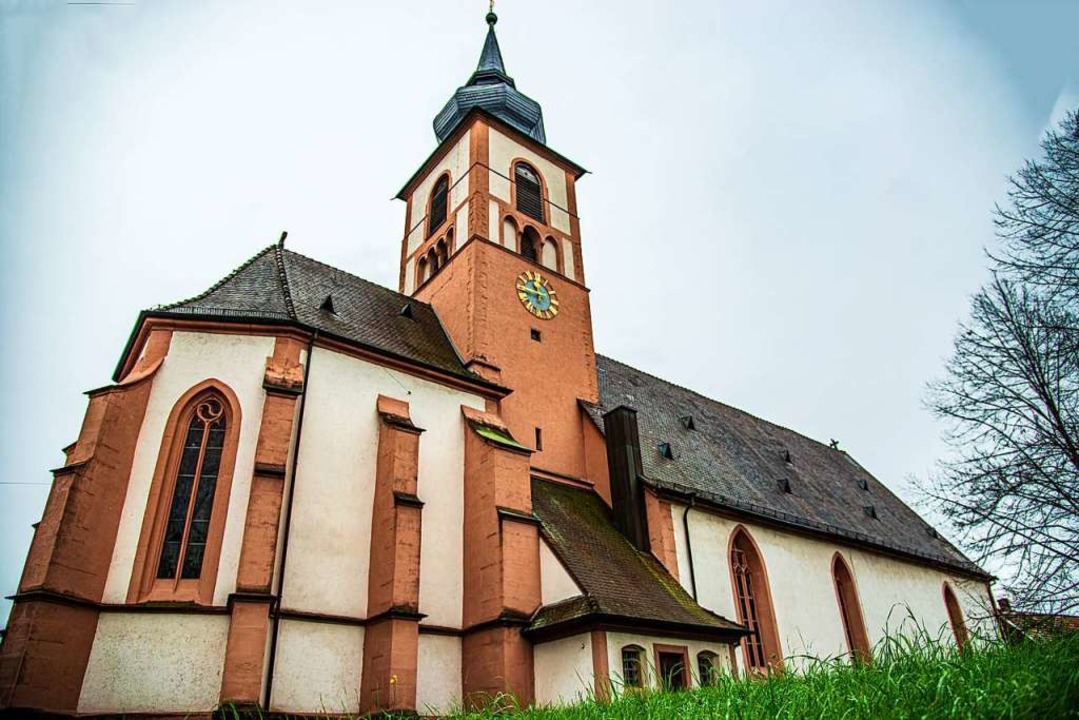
[[803, 594], [318, 668], [618, 640], [564, 670], [155, 662], [238, 361], [456, 161], [555, 582], [438, 674], [329, 547], [503, 151]]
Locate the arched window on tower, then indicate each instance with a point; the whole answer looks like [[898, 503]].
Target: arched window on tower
[[955, 617], [530, 241], [529, 191], [850, 610], [440, 197], [422, 271], [442, 253], [754, 604]]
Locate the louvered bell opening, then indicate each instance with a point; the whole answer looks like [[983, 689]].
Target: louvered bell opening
[[529, 193], [439, 199]]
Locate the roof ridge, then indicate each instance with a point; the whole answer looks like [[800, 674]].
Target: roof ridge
[[732, 407], [407, 298], [216, 286], [282, 277]]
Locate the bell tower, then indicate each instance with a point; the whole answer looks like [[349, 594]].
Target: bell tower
[[492, 241]]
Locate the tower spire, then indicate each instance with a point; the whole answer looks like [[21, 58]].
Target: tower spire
[[491, 66], [492, 90]]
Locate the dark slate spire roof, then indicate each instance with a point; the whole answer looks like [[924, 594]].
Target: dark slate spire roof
[[738, 461], [278, 285], [491, 89]]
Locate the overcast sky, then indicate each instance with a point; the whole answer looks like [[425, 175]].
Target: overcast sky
[[787, 209]]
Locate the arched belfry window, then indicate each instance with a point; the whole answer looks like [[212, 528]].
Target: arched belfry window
[[850, 610], [190, 510], [754, 603], [180, 544], [530, 244], [440, 198], [955, 617], [529, 191]]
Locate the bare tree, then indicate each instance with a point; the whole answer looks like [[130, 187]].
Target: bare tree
[[1010, 394]]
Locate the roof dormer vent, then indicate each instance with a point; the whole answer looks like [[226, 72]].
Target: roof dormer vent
[[871, 511], [687, 422], [666, 451], [863, 483], [406, 311], [784, 485], [327, 305], [787, 456]]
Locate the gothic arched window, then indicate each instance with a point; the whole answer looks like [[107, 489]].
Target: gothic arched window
[[188, 524], [529, 191], [184, 523], [754, 603], [850, 610], [955, 617], [440, 198]]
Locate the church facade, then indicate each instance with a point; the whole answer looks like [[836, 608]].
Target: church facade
[[304, 492]]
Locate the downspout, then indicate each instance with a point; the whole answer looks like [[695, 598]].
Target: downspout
[[689, 544], [275, 617]]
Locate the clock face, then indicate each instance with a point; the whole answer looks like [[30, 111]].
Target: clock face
[[537, 295]]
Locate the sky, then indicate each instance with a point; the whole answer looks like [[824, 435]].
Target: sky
[[787, 210]]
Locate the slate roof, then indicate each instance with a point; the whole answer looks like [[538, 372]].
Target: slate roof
[[737, 461], [283, 286], [491, 89], [619, 583]]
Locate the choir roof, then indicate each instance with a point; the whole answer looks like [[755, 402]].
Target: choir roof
[[281, 286], [694, 446]]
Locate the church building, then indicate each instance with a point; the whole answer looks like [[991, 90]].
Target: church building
[[307, 493]]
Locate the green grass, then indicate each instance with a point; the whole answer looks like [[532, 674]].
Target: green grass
[[1035, 679], [909, 678]]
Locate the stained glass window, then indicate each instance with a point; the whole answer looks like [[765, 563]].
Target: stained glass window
[[188, 524]]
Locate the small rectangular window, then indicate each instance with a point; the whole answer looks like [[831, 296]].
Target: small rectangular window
[[537, 335], [539, 438]]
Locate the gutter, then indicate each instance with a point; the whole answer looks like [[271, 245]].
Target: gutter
[[279, 581]]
